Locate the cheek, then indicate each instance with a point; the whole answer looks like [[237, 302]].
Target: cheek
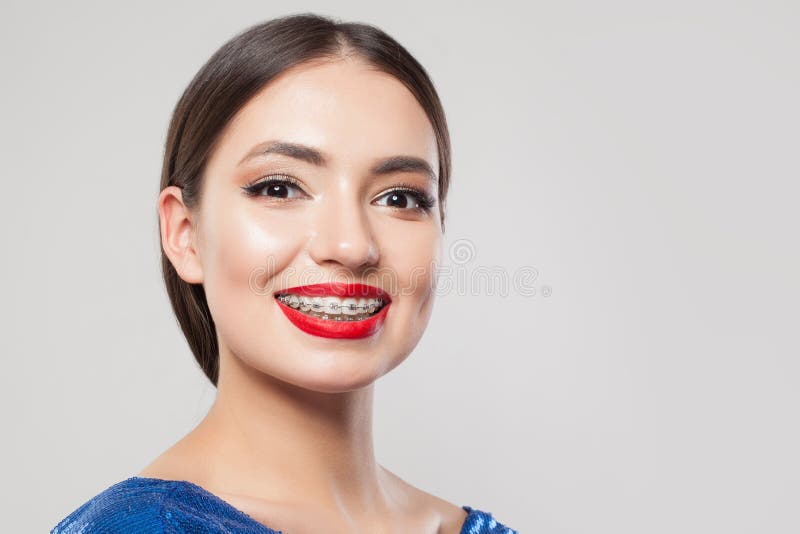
[[243, 253], [413, 261], [412, 264]]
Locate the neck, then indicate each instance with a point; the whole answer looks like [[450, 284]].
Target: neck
[[270, 439]]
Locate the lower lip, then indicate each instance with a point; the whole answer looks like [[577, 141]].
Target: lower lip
[[335, 329]]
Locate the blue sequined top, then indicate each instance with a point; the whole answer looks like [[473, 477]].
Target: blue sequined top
[[154, 505]]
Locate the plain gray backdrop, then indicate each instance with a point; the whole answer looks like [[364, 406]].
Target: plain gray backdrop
[[639, 158]]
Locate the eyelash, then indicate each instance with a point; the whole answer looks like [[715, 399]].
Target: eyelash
[[424, 200], [255, 189]]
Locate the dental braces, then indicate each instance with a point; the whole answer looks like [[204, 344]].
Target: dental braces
[[316, 306]]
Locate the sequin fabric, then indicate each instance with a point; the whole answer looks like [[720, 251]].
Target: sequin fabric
[[153, 505]]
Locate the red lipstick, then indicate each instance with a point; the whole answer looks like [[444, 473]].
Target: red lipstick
[[332, 328]]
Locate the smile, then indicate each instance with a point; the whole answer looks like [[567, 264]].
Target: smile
[[335, 310]]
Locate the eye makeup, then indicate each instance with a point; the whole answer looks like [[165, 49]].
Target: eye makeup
[[277, 187]]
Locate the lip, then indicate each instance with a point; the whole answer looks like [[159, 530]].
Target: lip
[[336, 329], [338, 289]]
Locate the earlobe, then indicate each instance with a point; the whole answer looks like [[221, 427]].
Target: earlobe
[[177, 235]]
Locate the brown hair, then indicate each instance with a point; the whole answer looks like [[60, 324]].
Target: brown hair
[[234, 74]]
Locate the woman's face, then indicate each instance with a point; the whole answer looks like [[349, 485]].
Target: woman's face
[[349, 215]]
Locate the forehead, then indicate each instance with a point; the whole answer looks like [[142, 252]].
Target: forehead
[[345, 108]]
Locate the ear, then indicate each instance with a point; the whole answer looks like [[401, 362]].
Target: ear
[[178, 235]]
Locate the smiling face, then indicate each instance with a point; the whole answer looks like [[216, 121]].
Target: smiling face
[[321, 177]]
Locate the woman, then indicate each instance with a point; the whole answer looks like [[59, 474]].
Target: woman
[[301, 216]]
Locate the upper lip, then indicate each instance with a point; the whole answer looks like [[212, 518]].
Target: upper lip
[[339, 289]]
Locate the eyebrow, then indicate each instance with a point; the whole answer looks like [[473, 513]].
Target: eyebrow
[[313, 156]]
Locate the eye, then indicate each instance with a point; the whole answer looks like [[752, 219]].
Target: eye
[[407, 198], [280, 186]]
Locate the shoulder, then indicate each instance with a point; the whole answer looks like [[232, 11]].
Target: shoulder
[[452, 518], [127, 505], [436, 514], [153, 505], [481, 522], [448, 517]]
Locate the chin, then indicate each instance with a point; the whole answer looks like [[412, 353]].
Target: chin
[[333, 382], [331, 371]]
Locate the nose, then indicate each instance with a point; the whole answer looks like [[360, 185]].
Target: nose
[[343, 235]]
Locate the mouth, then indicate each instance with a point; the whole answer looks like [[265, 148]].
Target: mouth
[[335, 310]]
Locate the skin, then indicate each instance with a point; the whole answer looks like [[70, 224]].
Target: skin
[[289, 439]]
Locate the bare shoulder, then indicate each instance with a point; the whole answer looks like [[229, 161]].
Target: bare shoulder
[[175, 463], [453, 517], [448, 516]]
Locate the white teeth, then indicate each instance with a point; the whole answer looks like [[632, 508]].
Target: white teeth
[[349, 306], [332, 305], [340, 309]]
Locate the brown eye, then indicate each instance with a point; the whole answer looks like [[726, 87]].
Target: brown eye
[[281, 188], [398, 200], [406, 199]]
